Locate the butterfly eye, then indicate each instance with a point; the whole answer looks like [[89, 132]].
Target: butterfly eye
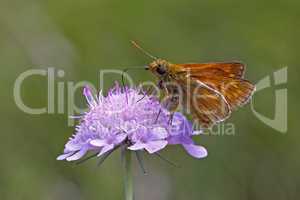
[[160, 70]]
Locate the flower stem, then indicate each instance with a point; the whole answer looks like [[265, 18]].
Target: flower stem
[[128, 179]]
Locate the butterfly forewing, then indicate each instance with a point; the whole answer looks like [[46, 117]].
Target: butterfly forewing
[[219, 85], [226, 69]]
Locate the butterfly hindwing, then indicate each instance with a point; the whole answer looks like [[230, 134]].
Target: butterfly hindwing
[[237, 92], [204, 103]]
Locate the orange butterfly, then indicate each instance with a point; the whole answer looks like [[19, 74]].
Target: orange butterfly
[[208, 91]]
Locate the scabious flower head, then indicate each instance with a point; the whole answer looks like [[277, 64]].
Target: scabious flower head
[[128, 117]]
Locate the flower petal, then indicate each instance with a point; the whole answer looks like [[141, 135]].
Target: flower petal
[[98, 143], [176, 139], [198, 132], [155, 146], [179, 139], [137, 146], [195, 150], [105, 149], [120, 138], [64, 156], [87, 92], [73, 146], [77, 155], [159, 133]]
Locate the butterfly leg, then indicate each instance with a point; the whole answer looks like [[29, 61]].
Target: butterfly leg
[[173, 106], [168, 105], [171, 100], [161, 86], [171, 118]]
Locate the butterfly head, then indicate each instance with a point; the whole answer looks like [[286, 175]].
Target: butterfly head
[[159, 67]]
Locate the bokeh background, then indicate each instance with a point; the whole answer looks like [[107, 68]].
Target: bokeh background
[[83, 37]]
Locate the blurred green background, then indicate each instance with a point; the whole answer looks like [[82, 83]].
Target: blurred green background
[[82, 37]]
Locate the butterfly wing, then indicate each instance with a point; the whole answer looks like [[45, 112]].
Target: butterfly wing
[[204, 103], [226, 69], [237, 92], [220, 86]]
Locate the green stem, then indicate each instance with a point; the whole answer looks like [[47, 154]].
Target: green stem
[[128, 179]]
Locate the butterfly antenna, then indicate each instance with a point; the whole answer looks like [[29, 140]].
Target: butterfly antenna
[[143, 50]]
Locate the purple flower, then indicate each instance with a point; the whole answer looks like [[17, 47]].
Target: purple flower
[[128, 117]]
